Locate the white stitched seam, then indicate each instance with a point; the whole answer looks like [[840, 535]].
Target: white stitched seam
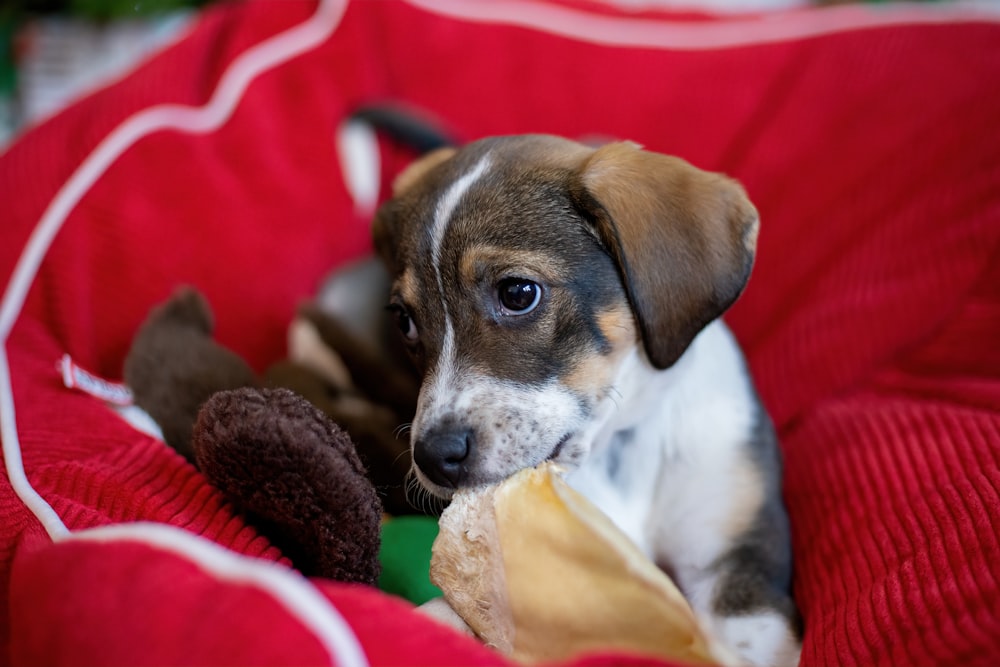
[[730, 32], [335, 633], [287, 586]]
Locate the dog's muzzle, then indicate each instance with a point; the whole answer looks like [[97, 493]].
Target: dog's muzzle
[[442, 455]]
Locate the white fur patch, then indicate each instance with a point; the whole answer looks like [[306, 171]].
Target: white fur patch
[[676, 488], [516, 426], [446, 208], [762, 640], [690, 423]]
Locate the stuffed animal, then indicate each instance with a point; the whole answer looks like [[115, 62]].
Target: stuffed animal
[[297, 478], [279, 458], [174, 366]]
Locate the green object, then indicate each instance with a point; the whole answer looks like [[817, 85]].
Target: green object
[[8, 70], [109, 9], [406, 558]]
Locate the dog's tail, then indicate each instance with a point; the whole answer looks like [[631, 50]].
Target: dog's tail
[[358, 139], [414, 129]]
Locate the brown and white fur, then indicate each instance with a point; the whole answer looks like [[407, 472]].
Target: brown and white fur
[[562, 302]]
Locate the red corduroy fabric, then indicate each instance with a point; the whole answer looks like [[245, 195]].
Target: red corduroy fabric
[[871, 321], [161, 606]]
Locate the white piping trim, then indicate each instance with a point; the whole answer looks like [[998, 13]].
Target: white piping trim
[[247, 66], [695, 35], [175, 30], [311, 609], [289, 588], [12, 457]]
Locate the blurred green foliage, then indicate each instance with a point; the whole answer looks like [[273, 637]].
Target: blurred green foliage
[[100, 10], [108, 9]]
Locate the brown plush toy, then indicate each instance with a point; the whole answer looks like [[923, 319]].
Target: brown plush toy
[[278, 458], [174, 366], [296, 477], [368, 396]]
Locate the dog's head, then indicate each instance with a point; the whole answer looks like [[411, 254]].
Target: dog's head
[[527, 268]]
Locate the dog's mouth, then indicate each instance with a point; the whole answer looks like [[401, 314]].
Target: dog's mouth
[[480, 479]]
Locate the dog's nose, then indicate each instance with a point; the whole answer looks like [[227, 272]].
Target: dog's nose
[[440, 454]]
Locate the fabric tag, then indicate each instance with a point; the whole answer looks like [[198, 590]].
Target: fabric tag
[[75, 377]]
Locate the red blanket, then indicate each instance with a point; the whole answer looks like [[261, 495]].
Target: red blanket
[[867, 137]]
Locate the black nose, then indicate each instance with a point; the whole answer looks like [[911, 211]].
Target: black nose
[[440, 454]]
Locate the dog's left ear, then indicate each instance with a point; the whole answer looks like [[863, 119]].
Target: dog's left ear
[[684, 240], [389, 220], [419, 168]]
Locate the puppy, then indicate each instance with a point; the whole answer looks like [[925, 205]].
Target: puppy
[[561, 303]]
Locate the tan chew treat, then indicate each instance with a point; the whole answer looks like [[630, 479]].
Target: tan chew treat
[[542, 575]]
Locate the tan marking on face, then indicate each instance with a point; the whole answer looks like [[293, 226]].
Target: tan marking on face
[[406, 285], [593, 375], [538, 266], [618, 326]]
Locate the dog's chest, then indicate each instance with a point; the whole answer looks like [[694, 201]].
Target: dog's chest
[[621, 478], [666, 461]]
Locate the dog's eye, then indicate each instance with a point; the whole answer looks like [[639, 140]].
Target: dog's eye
[[518, 296], [403, 320]]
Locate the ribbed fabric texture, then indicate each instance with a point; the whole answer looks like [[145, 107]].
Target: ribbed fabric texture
[[894, 505], [871, 322]]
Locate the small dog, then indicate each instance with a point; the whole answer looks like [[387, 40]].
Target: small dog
[[561, 303]]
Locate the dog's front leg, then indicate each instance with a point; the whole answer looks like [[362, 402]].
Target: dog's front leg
[[725, 539], [742, 603], [764, 637]]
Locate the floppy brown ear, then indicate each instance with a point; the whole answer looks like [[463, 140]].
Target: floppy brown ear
[[386, 225], [684, 240]]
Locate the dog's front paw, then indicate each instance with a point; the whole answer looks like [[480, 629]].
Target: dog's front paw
[[761, 639]]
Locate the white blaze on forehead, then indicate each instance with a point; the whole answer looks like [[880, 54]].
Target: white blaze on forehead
[[446, 205]]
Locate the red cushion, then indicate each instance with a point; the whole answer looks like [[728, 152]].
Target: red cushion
[[866, 137]]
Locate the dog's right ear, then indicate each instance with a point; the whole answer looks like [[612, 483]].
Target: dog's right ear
[[386, 229], [683, 239]]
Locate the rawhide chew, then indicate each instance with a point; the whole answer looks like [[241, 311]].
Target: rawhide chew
[[539, 573]]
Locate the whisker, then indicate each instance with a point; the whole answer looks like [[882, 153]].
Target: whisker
[[420, 498], [415, 492], [400, 455]]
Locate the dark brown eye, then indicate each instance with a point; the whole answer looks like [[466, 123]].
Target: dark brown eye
[[518, 296], [405, 323]]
